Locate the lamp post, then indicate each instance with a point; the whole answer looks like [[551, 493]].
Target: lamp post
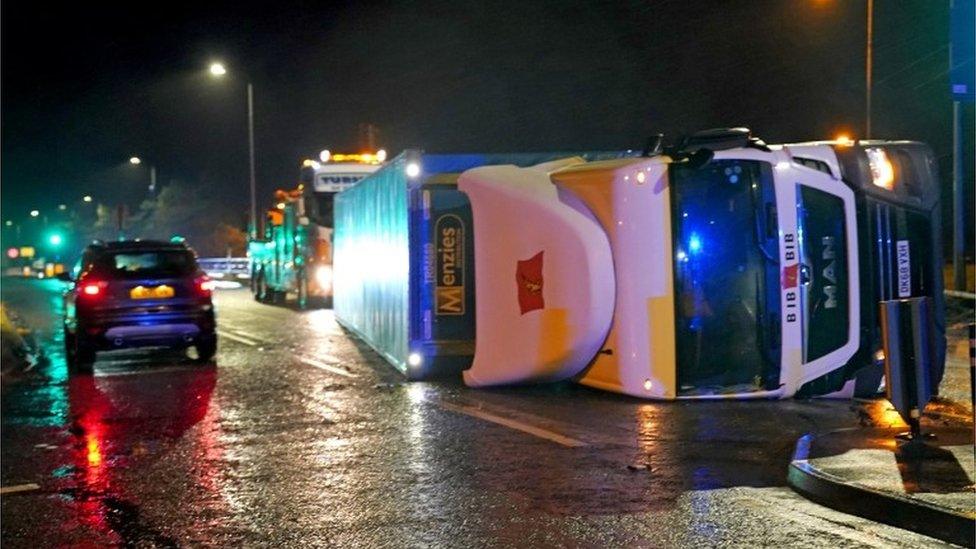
[[135, 160], [217, 70], [868, 65]]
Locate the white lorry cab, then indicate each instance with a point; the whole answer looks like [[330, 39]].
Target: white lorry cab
[[719, 268]]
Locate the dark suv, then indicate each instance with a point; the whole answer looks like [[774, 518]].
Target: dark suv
[[137, 294]]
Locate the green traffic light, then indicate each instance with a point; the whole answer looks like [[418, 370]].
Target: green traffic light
[[55, 239]]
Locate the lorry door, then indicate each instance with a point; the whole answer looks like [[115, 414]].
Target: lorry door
[[821, 291]]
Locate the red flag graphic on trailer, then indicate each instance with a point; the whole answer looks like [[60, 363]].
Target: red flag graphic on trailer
[[790, 275], [528, 277]]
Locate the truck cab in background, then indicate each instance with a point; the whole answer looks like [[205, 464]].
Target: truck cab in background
[[293, 255]]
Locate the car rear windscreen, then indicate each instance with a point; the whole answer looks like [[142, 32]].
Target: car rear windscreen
[[146, 264]]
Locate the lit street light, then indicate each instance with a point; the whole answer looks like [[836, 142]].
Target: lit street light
[[35, 213], [135, 160], [218, 70], [87, 198]]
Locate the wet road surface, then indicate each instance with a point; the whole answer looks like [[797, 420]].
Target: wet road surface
[[299, 435]]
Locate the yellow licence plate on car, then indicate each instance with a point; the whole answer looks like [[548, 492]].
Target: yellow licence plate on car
[[157, 292]]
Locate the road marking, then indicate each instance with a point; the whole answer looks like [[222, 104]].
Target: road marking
[[142, 372], [327, 367], [18, 488], [248, 335], [512, 424], [237, 338]]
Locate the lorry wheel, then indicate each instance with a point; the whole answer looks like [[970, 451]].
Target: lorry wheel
[[276, 297], [261, 290]]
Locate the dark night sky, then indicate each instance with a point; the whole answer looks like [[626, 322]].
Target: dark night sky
[[86, 87]]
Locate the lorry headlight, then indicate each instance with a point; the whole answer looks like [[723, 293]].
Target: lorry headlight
[[882, 172], [323, 276]]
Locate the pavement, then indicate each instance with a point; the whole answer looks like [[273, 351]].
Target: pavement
[[299, 435], [926, 486]]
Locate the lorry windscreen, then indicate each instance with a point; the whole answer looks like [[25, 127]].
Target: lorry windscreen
[[726, 277], [320, 208]]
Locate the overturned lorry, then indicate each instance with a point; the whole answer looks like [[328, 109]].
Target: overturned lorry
[[719, 268]]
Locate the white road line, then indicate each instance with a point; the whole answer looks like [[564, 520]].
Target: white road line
[[237, 338], [139, 372], [512, 424], [248, 335], [323, 366], [18, 488]]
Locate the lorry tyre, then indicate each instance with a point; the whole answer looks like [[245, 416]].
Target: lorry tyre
[[261, 292], [276, 297]]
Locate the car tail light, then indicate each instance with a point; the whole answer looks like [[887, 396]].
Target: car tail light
[[93, 288], [203, 285]]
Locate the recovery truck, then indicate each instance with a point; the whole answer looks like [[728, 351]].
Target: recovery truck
[[721, 267], [294, 253]]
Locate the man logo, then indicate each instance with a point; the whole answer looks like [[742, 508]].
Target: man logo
[[449, 293]]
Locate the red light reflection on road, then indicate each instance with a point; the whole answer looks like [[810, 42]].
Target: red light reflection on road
[[94, 451], [114, 419]]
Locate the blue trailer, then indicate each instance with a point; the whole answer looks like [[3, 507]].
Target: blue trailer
[[404, 258]]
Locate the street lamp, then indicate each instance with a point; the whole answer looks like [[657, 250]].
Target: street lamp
[[35, 213], [217, 70], [135, 160], [87, 198]]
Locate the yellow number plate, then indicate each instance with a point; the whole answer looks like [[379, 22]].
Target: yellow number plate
[[158, 292]]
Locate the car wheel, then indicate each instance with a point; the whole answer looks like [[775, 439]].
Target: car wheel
[[79, 355], [206, 347]]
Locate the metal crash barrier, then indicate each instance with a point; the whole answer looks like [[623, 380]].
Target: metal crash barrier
[[226, 272], [907, 335]]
